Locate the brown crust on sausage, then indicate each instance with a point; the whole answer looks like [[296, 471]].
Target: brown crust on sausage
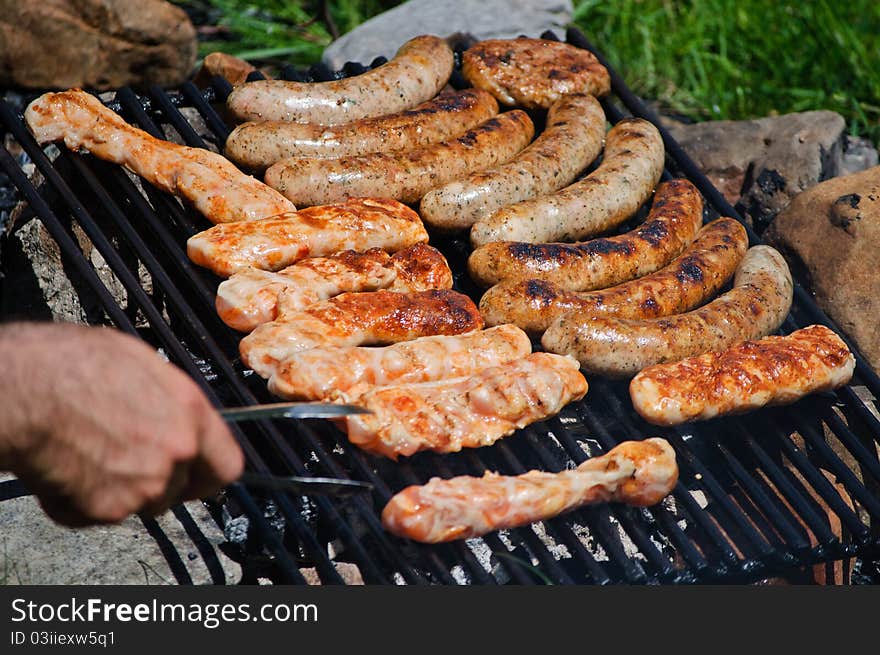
[[404, 176], [571, 140], [258, 145], [686, 282], [617, 347], [533, 72], [672, 224]]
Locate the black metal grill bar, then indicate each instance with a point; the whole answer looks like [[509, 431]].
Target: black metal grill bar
[[835, 465], [560, 529], [660, 514], [633, 529], [775, 514], [707, 481], [206, 111], [681, 494], [855, 446], [524, 535], [817, 524]]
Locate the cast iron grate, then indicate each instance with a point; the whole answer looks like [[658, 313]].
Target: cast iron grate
[[749, 503]]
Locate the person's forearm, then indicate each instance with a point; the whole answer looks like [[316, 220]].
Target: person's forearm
[[21, 420]]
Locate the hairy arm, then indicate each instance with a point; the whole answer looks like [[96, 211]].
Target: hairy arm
[[98, 426]]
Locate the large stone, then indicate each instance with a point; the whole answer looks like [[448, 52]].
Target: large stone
[[483, 19], [831, 235], [34, 550], [94, 43], [761, 164]]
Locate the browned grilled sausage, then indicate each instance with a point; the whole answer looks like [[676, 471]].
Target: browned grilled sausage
[[675, 218], [404, 176], [533, 72], [756, 306], [572, 139], [687, 282], [631, 167], [771, 371], [418, 71], [260, 144]]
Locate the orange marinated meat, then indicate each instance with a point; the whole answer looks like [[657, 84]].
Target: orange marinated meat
[[752, 374], [359, 319], [275, 243], [640, 473], [448, 415], [321, 373], [208, 181], [253, 296]]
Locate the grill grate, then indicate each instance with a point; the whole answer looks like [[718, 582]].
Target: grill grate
[[745, 506]]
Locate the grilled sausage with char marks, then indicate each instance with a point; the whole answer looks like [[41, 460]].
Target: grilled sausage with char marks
[[260, 144], [771, 371], [756, 306], [675, 218], [630, 168], [688, 281], [572, 139], [417, 72], [404, 176]]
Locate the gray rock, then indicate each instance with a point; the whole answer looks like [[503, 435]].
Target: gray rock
[[761, 164], [831, 234], [483, 19], [34, 550], [94, 43]]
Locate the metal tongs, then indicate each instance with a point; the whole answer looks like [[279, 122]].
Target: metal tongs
[[297, 484]]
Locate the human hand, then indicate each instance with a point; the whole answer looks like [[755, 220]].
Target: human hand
[[98, 426]]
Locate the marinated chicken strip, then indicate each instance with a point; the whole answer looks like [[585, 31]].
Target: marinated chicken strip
[[750, 375], [252, 297], [470, 412], [359, 319], [208, 181], [640, 473], [319, 373], [274, 243]]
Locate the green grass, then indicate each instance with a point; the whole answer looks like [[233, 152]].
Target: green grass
[[740, 59], [706, 59]]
